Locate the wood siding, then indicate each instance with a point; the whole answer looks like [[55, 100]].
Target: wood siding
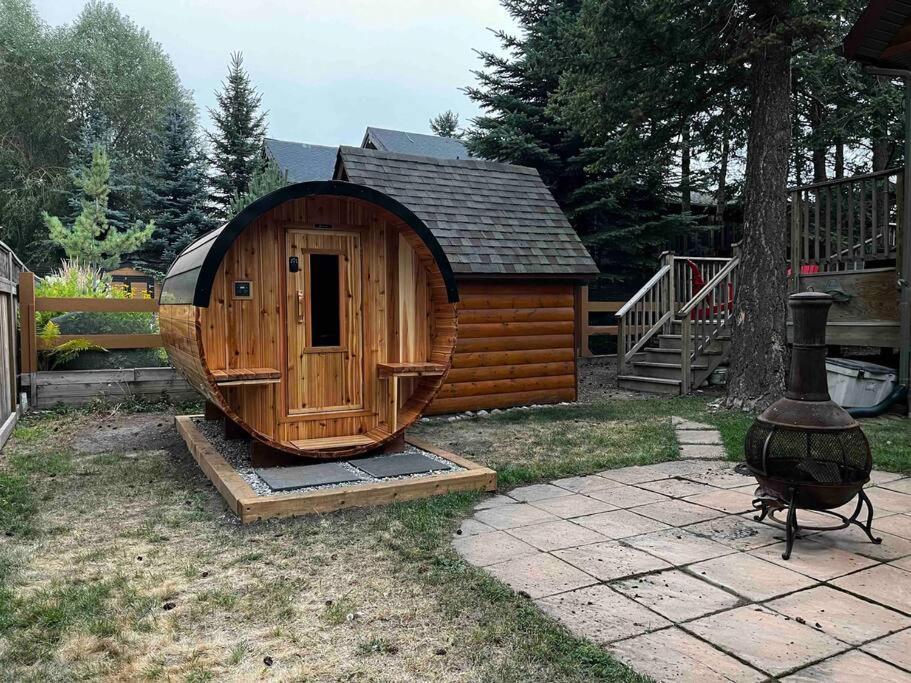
[[405, 316], [516, 346]]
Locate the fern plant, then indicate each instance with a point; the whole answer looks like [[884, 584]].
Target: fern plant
[[53, 355]]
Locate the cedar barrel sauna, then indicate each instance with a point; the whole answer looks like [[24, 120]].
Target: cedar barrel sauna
[[321, 319]]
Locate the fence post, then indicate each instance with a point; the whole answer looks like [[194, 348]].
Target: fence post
[[795, 241], [28, 341], [621, 346]]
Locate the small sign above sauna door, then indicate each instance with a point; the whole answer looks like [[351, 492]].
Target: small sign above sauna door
[[324, 321]]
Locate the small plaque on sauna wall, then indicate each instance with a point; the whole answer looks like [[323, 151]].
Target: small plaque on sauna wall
[[243, 289]]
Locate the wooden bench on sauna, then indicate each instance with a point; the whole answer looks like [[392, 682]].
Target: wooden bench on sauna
[[242, 376]]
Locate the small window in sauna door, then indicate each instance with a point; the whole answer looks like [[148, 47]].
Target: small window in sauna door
[[325, 335]]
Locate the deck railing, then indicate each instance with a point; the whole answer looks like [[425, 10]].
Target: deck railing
[[844, 223], [647, 313], [705, 317]]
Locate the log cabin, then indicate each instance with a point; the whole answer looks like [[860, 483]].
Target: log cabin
[[518, 265]]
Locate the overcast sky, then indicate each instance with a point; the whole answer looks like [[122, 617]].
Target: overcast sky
[[326, 68]]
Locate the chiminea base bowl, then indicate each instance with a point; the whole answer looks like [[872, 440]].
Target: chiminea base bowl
[[812, 495]]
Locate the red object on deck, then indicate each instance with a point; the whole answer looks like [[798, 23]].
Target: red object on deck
[[709, 310]]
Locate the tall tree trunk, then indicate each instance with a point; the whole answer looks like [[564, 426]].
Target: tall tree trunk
[[721, 196], [882, 149], [819, 150], [840, 159], [759, 343], [686, 196]]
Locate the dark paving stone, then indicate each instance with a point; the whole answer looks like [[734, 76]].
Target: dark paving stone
[[397, 465], [301, 476]]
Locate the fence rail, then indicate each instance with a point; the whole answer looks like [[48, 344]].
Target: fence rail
[[10, 267], [586, 308]]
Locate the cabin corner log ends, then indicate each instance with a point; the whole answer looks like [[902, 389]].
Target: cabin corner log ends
[[321, 319]]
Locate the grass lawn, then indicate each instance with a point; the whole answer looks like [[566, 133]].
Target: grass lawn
[[119, 561]]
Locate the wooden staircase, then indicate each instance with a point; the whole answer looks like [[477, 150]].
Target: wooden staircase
[[675, 331], [658, 369]]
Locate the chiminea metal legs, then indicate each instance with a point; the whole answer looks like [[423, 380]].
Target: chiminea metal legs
[[768, 506]]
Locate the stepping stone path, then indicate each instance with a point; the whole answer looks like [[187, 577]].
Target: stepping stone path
[[664, 566]]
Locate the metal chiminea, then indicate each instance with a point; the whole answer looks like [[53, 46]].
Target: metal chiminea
[[807, 452]]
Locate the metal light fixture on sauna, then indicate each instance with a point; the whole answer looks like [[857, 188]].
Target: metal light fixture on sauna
[[806, 452]]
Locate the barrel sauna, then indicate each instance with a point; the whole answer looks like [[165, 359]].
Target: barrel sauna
[[321, 319]]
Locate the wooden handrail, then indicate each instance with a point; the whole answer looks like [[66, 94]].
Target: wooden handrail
[[638, 296], [848, 179]]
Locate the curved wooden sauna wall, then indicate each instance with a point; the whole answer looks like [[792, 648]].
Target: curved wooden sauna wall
[[253, 353]]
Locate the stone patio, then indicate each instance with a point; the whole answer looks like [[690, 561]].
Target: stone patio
[[664, 566]]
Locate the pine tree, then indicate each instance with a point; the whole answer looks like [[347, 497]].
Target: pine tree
[[268, 178], [175, 193], [238, 139], [91, 239], [446, 125]]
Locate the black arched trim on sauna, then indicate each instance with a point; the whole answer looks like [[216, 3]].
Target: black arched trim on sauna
[[190, 277]]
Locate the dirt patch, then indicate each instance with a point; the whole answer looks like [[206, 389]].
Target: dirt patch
[[126, 432]]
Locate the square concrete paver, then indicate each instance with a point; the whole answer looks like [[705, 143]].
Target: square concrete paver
[[302, 476], [555, 535], [699, 437], [471, 526], [600, 614], [751, 577], [678, 546], [585, 484], [397, 465], [899, 525], [672, 655], [738, 532], [491, 547], [723, 478], [683, 423], [526, 494], [675, 512], [853, 540], [840, 614], [540, 575], [495, 501], [701, 451], [676, 595], [573, 505], [850, 666], [904, 563], [677, 487], [889, 586], [611, 560], [731, 502], [879, 477], [816, 560], [888, 500], [624, 496], [900, 485], [634, 474], [509, 516], [769, 641], [895, 648], [620, 523]]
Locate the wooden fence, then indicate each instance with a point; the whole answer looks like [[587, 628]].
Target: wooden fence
[[76, 387], [10, 267], [586, 308]]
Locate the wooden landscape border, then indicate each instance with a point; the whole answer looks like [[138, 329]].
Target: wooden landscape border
[[251, 507]]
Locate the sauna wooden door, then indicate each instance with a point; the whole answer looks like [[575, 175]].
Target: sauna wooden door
[[323, 304]]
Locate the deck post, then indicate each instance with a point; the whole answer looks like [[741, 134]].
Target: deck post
[[903, 262], [685, 352], [667, 259], [795, 241], [28, 337]]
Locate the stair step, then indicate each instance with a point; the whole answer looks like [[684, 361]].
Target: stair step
[[673, 341], [664, 370], [652, 385]]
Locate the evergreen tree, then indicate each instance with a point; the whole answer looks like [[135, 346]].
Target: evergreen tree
[[91, 240], [268, 178], [238, 139], [446, 125], [175, 193]]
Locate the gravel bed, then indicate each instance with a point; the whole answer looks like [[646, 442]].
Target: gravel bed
[[237, 453]]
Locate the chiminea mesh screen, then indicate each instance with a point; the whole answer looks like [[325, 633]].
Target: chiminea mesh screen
[[806, 456]]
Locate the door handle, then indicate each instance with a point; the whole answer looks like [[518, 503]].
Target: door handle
[[301, 303]]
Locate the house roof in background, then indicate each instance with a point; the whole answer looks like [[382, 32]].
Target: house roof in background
[[414, 143], [878, 37], [302, 161], [489, 218]]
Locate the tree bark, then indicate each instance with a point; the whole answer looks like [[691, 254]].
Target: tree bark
[[840, 159], [882, 149], [819, 150], [721, 196], [686, 196], [759, 342]]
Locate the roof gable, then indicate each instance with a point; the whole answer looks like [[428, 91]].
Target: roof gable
[[491, 219], [301, 161], [421, 144]]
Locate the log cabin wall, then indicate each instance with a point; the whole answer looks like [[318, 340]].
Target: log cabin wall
[[516, 346]]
